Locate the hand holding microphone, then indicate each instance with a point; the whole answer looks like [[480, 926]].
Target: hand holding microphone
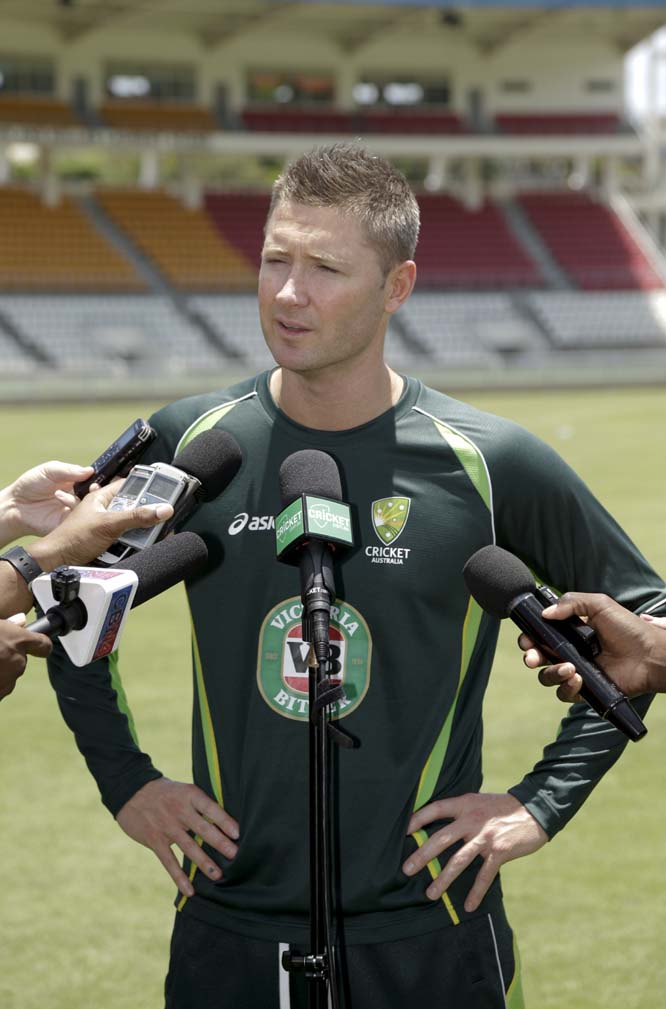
[[90, 605], [504, 587], [633, 647]]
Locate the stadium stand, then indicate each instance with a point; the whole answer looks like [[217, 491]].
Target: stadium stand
[[89, 333], [14, 360], [327, 120], [469, 330], [163, 117], [184, 244], [614, 319], [459, 248], [410, 121], [32, 111], [240, 218], [559, 123], [269, 119], [56, 248], [589, 242], [236, 319]]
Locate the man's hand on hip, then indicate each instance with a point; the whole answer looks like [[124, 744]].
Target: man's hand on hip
[[163, 812], [498, 828]]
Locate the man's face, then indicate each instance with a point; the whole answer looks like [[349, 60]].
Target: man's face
[[321, 289]]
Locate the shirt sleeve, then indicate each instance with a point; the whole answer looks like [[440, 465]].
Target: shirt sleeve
[[545, 514], [92, 699]]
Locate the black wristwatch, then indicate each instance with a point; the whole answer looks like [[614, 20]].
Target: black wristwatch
[[25, 564]]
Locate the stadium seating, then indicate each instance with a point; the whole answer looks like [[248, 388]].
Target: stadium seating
[[88, 333], [459, 248], [272, 119], [184, 244], [589, 242], [327, 120], [15, 361], [240, 218], [598, 321], [412, 121], [33, 111], [468, 330], [56, 248], [557, 123], [164, 117]]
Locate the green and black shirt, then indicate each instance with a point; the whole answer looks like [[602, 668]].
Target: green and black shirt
[[430, 482]]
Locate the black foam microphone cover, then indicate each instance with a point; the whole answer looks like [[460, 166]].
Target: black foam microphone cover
[[494, 577], [166, 563], [213, 457], [309, 472]]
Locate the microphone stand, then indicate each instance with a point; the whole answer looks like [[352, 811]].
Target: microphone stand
[[319, 966]]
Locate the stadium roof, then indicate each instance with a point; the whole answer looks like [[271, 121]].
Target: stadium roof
[[352, 23]]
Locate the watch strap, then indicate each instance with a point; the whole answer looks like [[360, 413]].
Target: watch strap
[[25, 563]]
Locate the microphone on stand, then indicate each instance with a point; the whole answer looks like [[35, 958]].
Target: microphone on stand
[[314, 525]]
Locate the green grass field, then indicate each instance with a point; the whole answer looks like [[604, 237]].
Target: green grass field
[[87, 913]]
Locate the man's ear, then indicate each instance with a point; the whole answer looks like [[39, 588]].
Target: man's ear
[[399, 285]]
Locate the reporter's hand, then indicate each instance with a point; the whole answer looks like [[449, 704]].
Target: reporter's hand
[[90, 529], [633, 651], [160, 815], [496, 827], [38, 500], [15, 645]]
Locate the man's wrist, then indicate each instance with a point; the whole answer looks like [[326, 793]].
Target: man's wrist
[[27, 566]]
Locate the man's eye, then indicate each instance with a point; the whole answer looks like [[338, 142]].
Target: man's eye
[[329, 269]]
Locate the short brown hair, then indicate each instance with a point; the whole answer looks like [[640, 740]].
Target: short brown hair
[[349, 177]]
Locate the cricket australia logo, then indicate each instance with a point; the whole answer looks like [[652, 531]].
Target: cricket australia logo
[[389, 518], [282, 660]]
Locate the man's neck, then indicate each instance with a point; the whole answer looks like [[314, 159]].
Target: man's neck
[[327, 403]]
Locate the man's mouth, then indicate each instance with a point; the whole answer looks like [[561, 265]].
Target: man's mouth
[[294, 328]]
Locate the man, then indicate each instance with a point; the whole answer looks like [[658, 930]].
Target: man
[[433, 480], [37, 501], [633, 649]]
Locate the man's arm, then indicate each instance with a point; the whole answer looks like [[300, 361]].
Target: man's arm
[[150, 808], [633, 651], [548, 517]]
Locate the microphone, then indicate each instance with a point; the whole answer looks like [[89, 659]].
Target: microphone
[[199, 473], [313, 524], [87, 607], [504, 587]]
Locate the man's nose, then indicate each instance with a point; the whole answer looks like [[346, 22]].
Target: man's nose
[[293, 291]]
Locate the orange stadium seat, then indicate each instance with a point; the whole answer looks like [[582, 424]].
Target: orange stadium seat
[[589, 242], [165, 117], [56, 249], [184, 244], [34, 111]]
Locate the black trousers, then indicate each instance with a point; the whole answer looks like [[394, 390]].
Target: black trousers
[[466, 966]]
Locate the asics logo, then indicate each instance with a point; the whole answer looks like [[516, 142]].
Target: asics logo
[[253, 523]]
